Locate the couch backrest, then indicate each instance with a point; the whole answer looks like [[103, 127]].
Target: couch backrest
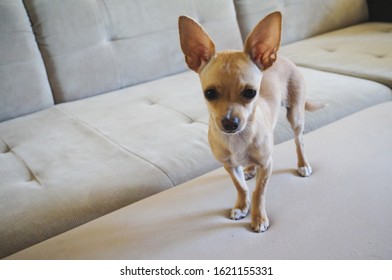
[[24, 86], [302, 19], [95, 46]]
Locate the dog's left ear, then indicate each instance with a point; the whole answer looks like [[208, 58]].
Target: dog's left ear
[[263, 42]]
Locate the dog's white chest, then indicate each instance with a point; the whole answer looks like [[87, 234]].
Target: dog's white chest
[[239, 151]]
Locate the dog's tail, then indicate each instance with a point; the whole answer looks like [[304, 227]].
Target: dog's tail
[[312, 106]]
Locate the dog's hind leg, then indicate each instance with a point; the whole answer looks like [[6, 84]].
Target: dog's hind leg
[[241, 207], [296, 101], [296, 117]]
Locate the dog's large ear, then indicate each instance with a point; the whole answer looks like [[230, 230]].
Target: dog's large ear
[[196, 45], [263, 42]]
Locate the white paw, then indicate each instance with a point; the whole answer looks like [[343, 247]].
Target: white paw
[[238, 214], [249, 175], [260, 224], [249, 172], [305, 171]]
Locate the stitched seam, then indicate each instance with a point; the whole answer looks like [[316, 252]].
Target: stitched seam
[[109, 27], [174, 110], [192, 120], [115, 143], [33, 175]]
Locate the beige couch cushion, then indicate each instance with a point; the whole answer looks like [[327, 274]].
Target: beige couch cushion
[[364, 50], [342, 95], [343, 211], [72, 163], [24, 86], [302, 19], [163, 122], [92, 47], [57, 173]]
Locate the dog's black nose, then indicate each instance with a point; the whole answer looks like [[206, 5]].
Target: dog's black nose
[[230, 125]]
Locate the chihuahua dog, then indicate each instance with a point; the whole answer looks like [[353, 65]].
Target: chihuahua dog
[[244, 91]]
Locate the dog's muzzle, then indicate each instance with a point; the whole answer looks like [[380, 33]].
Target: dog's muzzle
[[230, 125]]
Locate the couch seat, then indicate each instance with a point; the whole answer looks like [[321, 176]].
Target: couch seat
[[342, 211], [77, 161], [363, 50]]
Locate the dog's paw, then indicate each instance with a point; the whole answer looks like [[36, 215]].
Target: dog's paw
[[249, 172], [305, 171], [260, 224], [238, 214]]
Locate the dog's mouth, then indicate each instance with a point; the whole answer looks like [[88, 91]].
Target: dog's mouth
[[230, 131]]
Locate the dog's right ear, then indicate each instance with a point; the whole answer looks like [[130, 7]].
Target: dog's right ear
[[196, 45]]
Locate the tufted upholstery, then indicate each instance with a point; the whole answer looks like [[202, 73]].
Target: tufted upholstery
[[343, 96], [162, 121], [363, 50], [24, 87], [74, 162], [95, 46], [80, 159], [304, 19], [343, 211]]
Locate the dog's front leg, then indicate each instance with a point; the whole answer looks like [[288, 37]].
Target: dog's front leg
[[260, 220], [241, 207]]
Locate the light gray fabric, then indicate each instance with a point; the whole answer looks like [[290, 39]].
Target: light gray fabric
[[342, 95], [343, 211], [169, 114], [364, 50], [57, 173], [79, 160], [164, 122], [95, 46], [302, 19], [24, 86]]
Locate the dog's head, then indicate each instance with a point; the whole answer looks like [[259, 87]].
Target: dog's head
[[231, 79]]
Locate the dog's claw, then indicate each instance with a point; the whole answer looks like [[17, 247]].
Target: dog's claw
[[260, 225], [305, 171], [238, 214]]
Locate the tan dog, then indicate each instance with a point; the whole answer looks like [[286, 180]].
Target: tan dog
[[244, 91]]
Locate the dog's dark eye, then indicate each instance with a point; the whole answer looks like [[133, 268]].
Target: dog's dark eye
[[211, 94], [249, 93]]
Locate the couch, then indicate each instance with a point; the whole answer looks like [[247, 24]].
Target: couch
[[98, 110]]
